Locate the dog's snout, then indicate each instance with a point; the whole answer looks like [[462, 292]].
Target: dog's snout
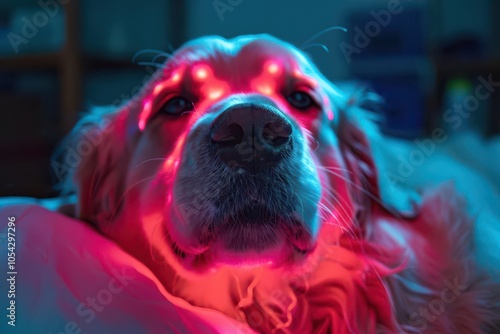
[[251, 135]]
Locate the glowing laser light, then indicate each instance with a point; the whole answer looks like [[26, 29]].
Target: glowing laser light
[[142, 124], [200, 72], [265, 89], [273, 68], [158, 88], [146, 111], [215, 94], [176, 77], [330, 115], [172, 162]]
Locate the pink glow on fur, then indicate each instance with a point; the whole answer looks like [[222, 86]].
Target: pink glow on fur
[[266, 82], [298, 74], [146, 111], [211, 88], [158, 88], [172, 162], [273, 68], [214, 94], [215, 90], [330, 115], [200, 72], [329, 112], [148, 102], [265, 89]]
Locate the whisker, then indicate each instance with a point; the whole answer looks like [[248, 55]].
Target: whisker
[[152, 159], [348, 226], [322, 32], [366, 192], [323, 46], [115, 210], [141, 52]]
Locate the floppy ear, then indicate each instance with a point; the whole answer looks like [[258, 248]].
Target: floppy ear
[[92, 160], [366, 156], [92, 163], [353, 127]]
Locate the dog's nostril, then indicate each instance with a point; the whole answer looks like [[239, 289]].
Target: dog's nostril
[[277, 133], [230, 134], [252, 136]]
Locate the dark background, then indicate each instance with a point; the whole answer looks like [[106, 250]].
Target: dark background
[[58, 57]]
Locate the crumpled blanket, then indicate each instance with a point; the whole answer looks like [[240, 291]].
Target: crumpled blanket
[[70, 279]]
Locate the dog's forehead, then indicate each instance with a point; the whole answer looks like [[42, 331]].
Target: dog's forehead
[[245, 55]]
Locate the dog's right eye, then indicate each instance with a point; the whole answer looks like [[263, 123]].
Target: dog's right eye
[[300, 100], [177, 106]]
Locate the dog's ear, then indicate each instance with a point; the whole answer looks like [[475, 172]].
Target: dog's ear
[[365, 151], [355, 125], [90, 163]]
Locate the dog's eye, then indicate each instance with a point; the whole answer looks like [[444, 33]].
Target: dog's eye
[[177, 106], [300, 100]]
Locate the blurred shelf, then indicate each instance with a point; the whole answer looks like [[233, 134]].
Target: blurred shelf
[[52, 61], [69, 64], [466, 66], [391, 65], [42, 61], [99, 63]]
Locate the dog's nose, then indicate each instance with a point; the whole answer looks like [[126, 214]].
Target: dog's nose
[[251, 135]]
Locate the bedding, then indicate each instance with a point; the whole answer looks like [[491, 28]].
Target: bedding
[[71, 279]]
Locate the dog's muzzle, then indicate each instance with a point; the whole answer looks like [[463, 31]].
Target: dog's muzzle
[[251, 135]]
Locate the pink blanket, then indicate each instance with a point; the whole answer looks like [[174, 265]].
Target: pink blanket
[[67, 278]]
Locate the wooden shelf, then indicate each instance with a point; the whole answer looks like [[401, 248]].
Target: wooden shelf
[[69, 64], [52, 61], [99, 63], [467, 66], [31, 62]]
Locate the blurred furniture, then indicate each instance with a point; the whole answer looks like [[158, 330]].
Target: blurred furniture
[[414, 61], [394, 63], [466, 57], [42, 91]]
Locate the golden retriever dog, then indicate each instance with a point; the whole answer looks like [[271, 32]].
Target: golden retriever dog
[[245, 181]]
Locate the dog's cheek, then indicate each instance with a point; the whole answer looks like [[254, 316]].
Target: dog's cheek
[[309, 120], [97, 178]]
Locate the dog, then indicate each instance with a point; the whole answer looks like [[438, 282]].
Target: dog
[[245, 181]]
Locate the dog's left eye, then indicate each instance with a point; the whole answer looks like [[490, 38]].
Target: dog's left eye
[[177, 106], [300, 100]]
